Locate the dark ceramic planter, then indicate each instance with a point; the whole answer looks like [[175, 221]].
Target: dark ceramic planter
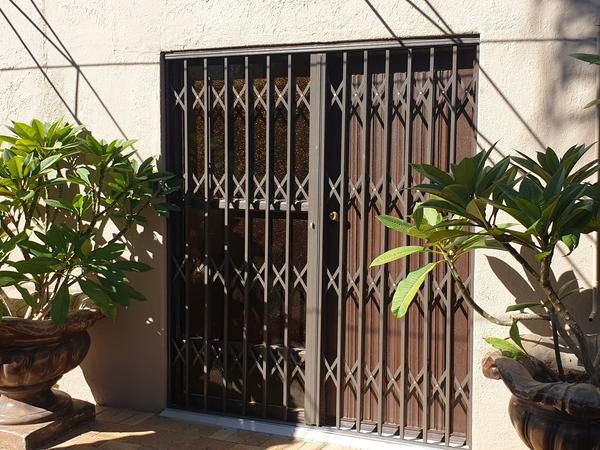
[[548, 415], [33, 357]]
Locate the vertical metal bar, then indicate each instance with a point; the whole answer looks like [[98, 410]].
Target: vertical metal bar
[[291, 177], [453, 105], [343, 265], [427, 284], [449, 294], [170, 165], [268, 195], [406, 192], [247, 228], [227, 223], [315, 239], [384, 244], [188, 260], [471, 264], [365, 188], [207, 199]]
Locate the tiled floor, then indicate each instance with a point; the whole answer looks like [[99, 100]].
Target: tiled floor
[[116, 429]]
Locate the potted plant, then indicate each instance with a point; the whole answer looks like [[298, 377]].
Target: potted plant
[[67, 201], [530, 209]]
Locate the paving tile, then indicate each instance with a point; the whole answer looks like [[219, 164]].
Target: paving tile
[[291, 444], [116, 445], [85, 438], [202, 444], [313, 446], [136, 418], [335, 447], [223, 434], [114, 415], [246, 447], [118, 429], [157, 423], [248, 438], [76, 446], [161, 439], [197, 430]]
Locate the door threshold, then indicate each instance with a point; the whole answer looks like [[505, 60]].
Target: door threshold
[[328, 435]]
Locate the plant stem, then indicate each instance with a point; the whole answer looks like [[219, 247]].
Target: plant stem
[[562, 315], [504, 321], [554, 325]]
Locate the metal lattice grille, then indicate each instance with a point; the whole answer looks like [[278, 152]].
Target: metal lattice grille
[[287, 161]]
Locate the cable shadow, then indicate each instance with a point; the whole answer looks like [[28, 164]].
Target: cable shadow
[[447, 30], [64, 52]]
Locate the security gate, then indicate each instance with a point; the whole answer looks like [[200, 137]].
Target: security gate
[[288, 156]]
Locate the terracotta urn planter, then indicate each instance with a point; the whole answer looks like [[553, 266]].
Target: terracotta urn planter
[[34, 355], [548, 415]]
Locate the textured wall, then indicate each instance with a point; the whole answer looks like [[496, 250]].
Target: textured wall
[[531, 94]]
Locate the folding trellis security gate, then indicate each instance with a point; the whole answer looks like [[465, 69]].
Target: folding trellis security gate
[[288, 156]]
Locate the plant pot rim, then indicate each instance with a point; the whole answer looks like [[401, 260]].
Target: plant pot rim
[[580, 400], [17, 329]]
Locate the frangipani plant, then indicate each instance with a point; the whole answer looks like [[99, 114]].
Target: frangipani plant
[[591, 59], [62, 192], [550, 202]]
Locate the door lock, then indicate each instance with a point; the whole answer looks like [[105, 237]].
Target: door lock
[[333, 215]]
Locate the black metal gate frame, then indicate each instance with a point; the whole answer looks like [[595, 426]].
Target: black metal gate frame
[[316, 193]]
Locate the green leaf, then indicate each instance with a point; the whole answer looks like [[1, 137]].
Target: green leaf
[[86, 247], [48, 162], [8, 278], [443, 235], [98, 295], [482, 242], [571, 241], [431, 216], [394, 254], [131, 266], [521, 306], [434, 174], [592, 103], [60, 304], [568, 288], [84, 174], [36, 265], [28, 298], [586, 57], [515, 336], [400, 225], [542, 255], [554, 185], [476, 208], [507, 348], [121, 292], [109, 251], [408, 288], [59, 204]]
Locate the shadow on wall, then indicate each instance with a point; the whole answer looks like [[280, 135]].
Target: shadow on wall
[[119, 369], [568, 71], [116, 343], [527, 290], [116, 375], [567, 68]]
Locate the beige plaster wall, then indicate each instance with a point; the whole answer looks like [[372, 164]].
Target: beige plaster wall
[[531, 94]]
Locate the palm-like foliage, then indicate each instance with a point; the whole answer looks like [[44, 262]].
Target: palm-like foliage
[[60, 188], [548, 200], [592, 59]]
